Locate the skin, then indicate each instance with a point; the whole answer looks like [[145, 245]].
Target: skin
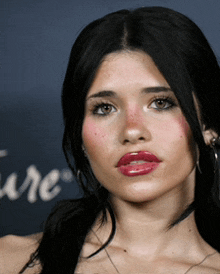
[[15, 252], [144, 205], [135, 124]]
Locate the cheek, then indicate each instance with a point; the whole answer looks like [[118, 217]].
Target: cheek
[[175, 128], [184, 127], [175, 136], [93, 136], [184, 140], [178, 128], [187, 133]]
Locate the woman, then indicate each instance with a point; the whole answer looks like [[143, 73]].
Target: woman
[[141, 110]]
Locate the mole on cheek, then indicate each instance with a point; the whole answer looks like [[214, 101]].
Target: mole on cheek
[[93, 132], [99, 134], [102, 135]]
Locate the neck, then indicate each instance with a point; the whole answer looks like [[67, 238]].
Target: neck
[[145, 228]]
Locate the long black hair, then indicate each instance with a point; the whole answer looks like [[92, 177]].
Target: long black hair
[[186, 60]]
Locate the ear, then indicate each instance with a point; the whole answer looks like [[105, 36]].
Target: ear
[[208, 135]]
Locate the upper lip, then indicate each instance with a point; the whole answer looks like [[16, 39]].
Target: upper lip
[[137, 156]]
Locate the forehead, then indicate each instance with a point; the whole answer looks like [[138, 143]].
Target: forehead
[[127, 69]]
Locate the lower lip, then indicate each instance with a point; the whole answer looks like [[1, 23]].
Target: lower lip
[[137, 170]]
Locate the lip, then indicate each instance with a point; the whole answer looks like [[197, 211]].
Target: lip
[[126, 168]]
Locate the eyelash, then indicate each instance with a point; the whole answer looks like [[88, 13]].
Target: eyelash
[[98, 106], [166, 99]]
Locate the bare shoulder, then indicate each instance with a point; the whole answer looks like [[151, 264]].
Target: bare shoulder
[[210, 265], [15, 251], [215, 261]]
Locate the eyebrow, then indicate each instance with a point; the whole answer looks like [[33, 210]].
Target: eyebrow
[[112, 94]]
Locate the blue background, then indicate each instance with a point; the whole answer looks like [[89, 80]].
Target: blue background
[[37, 38]]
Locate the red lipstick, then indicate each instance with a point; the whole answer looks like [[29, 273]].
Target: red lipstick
[[138, 163]]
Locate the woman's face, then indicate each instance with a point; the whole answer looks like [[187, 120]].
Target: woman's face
[[136, 138]]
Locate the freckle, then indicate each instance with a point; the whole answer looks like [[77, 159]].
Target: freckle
[[125, 250]]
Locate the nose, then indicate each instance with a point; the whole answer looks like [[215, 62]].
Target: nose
[[134, 127]]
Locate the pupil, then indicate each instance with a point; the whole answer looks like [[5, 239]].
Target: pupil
[[106, 108], [160, 103]]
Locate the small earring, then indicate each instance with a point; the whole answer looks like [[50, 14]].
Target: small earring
[[213, 143], [198, 166], [216, 142]]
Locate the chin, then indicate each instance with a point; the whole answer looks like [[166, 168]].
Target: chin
[[139, 196]]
